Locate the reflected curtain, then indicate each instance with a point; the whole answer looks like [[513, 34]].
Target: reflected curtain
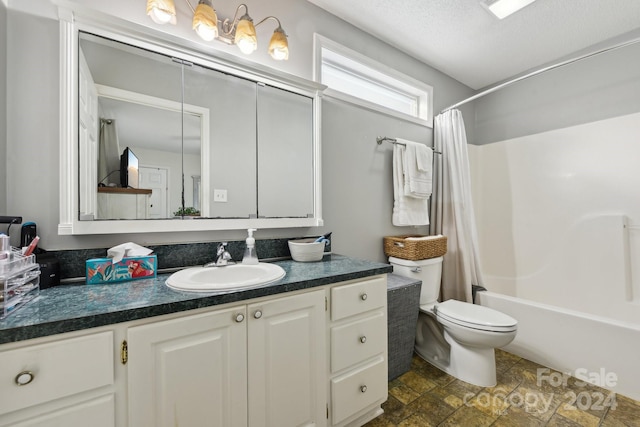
[[452, 208], [108, 153]]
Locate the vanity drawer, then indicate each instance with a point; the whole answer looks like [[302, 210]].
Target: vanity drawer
[[356, 298], [56, 369], [358, 389], [357, 341]]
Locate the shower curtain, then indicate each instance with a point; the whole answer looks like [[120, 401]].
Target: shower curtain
[[452, 208], [108, 153]]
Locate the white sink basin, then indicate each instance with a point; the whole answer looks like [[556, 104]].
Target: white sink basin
[[228, 278]]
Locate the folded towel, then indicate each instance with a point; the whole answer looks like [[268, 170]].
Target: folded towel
[[406, 210], [418, 160], [437, 236]]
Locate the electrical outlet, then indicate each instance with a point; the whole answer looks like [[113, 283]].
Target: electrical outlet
[[219, 195]]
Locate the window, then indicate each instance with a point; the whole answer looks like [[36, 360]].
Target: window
[[353, 77]]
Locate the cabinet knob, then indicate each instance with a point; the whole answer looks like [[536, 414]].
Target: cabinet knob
[[363, 297], [257, 314], [363, 339], [363, 388], [239, 317], [24, 378]]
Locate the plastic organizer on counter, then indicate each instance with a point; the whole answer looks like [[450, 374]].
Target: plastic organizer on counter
[[19, 282]]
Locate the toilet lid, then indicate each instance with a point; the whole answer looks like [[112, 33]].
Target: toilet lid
[[475, 316]]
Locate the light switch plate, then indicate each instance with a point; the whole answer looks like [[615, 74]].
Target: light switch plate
[[219, 195]]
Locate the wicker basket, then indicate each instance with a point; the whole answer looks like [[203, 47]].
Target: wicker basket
[[399, 247]]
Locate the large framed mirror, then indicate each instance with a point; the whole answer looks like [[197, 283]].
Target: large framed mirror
[[167, 139]]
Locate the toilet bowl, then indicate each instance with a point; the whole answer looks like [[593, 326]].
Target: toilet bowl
[[456, 337]]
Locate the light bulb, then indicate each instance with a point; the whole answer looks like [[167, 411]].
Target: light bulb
[[159, 16], [246, 46], [207, 33]]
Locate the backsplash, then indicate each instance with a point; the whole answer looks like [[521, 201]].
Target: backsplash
[[72, 262]]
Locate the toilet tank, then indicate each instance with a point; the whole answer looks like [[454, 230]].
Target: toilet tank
[[427, 270]]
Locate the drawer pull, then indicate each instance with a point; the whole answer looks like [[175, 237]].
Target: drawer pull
[[363, 297], [257, 314], [416, 269], [24, 378], [363, 388], [363, 339], [239, 317]]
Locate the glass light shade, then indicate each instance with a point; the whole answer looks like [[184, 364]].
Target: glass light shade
[[246, 35], [205, 21], [161, 11], [279, 46]]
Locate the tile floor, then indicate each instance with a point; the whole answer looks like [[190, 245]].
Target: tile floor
[[523, 397]]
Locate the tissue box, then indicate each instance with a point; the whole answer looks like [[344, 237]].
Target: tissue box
[[103, 270]]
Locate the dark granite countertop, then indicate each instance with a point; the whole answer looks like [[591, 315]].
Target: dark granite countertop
[[75, 307]]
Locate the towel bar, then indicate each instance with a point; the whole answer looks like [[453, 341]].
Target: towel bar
[[382, 139]]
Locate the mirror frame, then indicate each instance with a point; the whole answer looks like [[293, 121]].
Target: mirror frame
[[71, 23]]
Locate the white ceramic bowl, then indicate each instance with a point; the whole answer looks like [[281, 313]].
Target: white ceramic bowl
[[306, 250]]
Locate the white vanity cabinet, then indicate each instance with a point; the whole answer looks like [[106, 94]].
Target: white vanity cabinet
[[358, 355], [261, 364], [314, 357], [64, 382]]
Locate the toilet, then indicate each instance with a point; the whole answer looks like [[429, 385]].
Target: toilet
[[454, 336]]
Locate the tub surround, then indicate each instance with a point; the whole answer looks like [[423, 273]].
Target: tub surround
[[71, 307]]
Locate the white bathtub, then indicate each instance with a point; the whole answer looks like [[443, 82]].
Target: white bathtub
[[579, 312], [569, 341]]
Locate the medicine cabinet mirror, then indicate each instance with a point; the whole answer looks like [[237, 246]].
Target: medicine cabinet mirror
[[168, 139]]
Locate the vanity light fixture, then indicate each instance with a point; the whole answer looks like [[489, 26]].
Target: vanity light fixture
[[503, 8], [239, 31]]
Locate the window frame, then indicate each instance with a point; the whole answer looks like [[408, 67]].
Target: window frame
[[380, 73]]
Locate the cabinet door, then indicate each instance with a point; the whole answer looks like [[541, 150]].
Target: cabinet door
[[287, 361], [190, 371]]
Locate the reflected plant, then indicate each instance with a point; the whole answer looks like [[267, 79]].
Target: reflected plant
[[187, 211]]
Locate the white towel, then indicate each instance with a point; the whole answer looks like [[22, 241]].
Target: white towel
[[418, 160], [437, 236], [406, 210]]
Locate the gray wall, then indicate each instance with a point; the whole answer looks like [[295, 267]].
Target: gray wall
[[32, 120], [596, 88], [357, 182], [3, 108]]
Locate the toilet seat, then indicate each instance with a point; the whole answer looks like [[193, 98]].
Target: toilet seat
[[475, 316]]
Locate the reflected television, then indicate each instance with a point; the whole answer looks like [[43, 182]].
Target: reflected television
[[129, 177]]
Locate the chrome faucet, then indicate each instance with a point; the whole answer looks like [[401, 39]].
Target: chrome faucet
[[223, 257]]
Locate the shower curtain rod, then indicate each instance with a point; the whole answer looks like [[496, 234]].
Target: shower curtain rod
[[540, 71], [382, 139]]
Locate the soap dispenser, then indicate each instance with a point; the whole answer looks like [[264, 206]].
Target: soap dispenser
[[250, 255]]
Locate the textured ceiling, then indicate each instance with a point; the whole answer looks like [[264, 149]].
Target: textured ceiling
[[461, 39]]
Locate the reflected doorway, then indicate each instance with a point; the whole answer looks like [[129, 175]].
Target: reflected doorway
[[156, 179]]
